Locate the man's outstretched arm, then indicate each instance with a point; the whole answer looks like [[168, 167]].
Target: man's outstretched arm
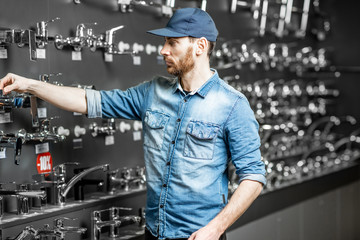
[[67, 98]]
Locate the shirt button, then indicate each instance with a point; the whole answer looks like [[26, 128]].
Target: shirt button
[[185, 100], [178, 120], [173, 142], [168, 163], [164, 185], [161, 206]]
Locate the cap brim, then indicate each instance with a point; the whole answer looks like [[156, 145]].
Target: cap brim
[[166, 32]]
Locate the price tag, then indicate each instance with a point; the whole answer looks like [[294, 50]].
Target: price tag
[[41, 53], [3, 53], [42, 148], [76, 56], [137, 135], [77, 143], [108, 57], [5, 117], [2, 153], [109, 140], [44, 162], [136, 60], [42, 112]]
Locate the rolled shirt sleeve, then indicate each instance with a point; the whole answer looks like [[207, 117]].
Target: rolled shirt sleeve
[[117, 103], [244, 141], [93, 98]]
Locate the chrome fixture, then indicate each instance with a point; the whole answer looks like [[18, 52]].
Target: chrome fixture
[[42, 36], [126, 179], [166, 9], [64, 188], [79, 186], [14, 101], [107, 128], [46, 77], [58, 232], [111, 218], [84, 37], [45, 133], [108, 44], [13, 141], [284, 17], [22, 195], [21, 38], [52, 181]]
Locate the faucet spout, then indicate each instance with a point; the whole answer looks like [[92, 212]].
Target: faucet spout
[[27, 232], [65, 188]]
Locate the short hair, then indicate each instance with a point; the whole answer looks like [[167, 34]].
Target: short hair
[[210, 43]]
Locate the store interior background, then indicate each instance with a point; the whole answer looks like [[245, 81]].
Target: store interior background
[[328, 214]]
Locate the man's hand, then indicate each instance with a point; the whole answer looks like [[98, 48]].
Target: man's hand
[[12, 82], [206, 233], [242, 198]]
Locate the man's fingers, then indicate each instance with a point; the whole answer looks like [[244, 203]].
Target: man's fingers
[[7, 84], [192, 237], [8, 89], [8, 79]]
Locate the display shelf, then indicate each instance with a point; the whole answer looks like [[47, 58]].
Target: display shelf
[[49, 211]]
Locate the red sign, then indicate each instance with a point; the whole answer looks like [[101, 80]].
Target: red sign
[[44, 162]]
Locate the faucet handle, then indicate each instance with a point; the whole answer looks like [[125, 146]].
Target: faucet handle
[[59, 222], [45, 77], [61, 168]]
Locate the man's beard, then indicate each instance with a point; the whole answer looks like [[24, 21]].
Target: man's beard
[[185, 65]]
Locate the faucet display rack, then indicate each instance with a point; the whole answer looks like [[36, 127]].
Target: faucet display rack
[[10, 223]]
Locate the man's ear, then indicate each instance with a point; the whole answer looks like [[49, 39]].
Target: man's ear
[[201, 46]]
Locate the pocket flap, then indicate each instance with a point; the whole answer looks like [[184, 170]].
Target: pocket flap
[[202, 130], [156, 119]]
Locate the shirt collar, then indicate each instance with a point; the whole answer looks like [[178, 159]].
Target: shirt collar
[[204, 89]]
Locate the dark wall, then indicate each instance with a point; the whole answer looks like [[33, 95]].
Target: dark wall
[[344, 40]]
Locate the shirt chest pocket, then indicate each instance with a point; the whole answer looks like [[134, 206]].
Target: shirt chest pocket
[[200, 140], [154, 129]]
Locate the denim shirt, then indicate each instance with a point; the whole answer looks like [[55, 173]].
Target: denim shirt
[[188, 142]]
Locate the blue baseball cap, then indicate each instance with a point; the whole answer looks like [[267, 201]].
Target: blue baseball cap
[[189, 22]]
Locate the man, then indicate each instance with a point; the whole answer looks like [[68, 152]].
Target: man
[[194, 125]]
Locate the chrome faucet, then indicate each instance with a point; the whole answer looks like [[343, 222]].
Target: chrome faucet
[[52, 182], [125, 178], [84, 38], [106, 42], [27, 232], [108, 128], [14, 101], [22, 196], [59, 226], [45, 133], [114, 221], [42, 36], [14, 141], [57, 232], [64, 188], [21, 38]]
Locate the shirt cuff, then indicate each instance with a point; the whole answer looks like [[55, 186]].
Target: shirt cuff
[[93, 99], [255, 177]]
